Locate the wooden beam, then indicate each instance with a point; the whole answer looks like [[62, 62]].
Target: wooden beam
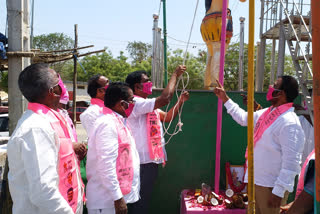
[[72, 49]]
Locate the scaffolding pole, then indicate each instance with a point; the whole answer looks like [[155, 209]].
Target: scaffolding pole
[[282, 46], [273, 56], [154, 50], [240, 85]]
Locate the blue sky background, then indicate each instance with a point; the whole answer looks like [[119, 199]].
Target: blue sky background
[[113, 24]]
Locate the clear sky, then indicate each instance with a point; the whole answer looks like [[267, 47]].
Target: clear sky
[[113, 24]]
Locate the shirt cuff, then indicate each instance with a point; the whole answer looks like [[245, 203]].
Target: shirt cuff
[[229, 103], [117, 195], [278, 191]]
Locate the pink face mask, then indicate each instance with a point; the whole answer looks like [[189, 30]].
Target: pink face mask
[[147, 87], [64, 97], [270, 92], [129, 110]]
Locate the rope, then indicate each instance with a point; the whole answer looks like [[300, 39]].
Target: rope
[[184, 86], [159, 11], [192, 43], [75, 56]]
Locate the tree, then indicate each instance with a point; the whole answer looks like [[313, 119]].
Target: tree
[[116, 69], [139, 51], [4, 81], [52, 41], [195, 68], [231, 67]]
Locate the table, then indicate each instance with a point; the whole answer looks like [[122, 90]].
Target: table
[[187, 206]]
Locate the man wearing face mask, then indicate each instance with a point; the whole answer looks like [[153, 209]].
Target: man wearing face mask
[[278, 143], [112, 160], [97, 86], [79, 148], [145, 121], [40, 153]]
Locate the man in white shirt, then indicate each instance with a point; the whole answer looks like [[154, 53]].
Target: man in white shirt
[[79, 148], [305, 122], [145, 110], [112, 160], [97, 86], [37, 171], [279, 141]]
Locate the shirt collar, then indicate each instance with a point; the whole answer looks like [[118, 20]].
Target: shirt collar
[[123, 119]]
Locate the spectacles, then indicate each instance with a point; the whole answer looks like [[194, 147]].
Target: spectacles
[[131, 101], [51, 88]]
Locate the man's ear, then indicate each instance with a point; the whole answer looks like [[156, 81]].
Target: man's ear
[[137, 86], [99, 90]]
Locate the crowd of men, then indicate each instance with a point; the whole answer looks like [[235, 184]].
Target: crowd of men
[[126, 145]]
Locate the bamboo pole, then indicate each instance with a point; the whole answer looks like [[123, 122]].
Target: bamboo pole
[[251, 193], [72, 49], [20, 54], [44, 59], [315, 8], [74, 104]]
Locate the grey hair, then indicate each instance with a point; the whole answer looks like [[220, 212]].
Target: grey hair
[[35, 81]]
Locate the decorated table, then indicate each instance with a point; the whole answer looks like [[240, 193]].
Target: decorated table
[[189, 205]]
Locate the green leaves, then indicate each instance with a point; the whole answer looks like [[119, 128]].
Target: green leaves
[[52, 41], [117, 68]]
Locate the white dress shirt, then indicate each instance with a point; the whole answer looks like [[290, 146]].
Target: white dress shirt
[[33, 162], [89, 116], [103, 186], [138, 124], [277, 154], [309, 138], [70, 127]]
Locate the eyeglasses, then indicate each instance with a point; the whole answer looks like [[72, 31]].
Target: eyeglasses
[[51, 88], [131, 101]]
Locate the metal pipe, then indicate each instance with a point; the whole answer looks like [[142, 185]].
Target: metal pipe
[[282, 46], [257, 66], [241, 56], [154, 49], [165, 43], [31, 39], [273, 55], [158, 52]]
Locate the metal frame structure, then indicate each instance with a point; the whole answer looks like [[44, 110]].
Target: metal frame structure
[[288, 21]]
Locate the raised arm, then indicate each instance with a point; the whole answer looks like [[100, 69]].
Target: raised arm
[[237, 113], [167, 93], [172, 113]]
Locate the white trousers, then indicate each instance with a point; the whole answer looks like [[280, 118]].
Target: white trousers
[[102, 211]]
